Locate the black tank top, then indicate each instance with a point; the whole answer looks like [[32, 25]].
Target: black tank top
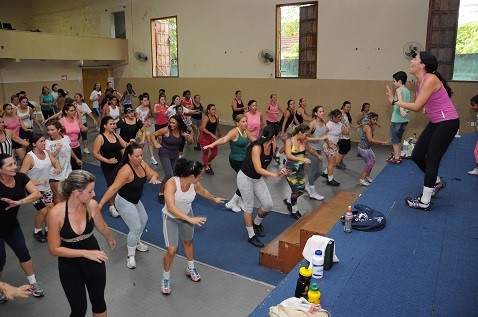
[[197, 116], [133, 190], [212, 126], [299, 117], [70, 239], [240, 106], [289, 120], [110, 150], [248, 166]]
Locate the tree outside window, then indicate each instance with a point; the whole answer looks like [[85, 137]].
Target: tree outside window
[[164, 44]]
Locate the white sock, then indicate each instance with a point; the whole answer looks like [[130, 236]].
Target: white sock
[[330, 177], [250, 232], [46, 229], [258, 220], [191, 264], [234, 200], [312, 188], [166, 275], [31, 279], [35, 230], [427, 194], [294, 209], [131, 251]]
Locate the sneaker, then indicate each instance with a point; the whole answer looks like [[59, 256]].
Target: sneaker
[[295, 215], [288, 204], [153, 161], [417, 203], [341, 166], [193, 274], [37, 291], [86, 151], [474, 171], [363, 182], [259, 230], [316, 196], [209, 171], [165, 286], [233, 207], [141, 247], [255, 242], [131, 262], [439, 186], [40, 236], [325, 175], [113, 212], [3, 298], [368, 179], [161, 198], [333, 183], [307, 188]]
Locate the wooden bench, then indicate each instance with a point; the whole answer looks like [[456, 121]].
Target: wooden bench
[[285, 251]]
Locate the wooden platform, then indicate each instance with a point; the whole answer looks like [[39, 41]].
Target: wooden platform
[[285, 251]]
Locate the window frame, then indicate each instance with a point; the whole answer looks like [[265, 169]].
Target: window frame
[[154, 47]]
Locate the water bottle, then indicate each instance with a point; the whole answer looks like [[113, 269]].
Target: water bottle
[[329, 255], [313, 296], [317, 265], [348, 220], [305, 274]]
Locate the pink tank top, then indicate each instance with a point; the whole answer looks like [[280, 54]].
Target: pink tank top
[[72, 130], [254, 123], [273, 117], [12, 124], [439, 106]]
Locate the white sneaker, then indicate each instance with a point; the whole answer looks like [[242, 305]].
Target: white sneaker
[[153, 161], [113, 212], [307, 188], [131, 262], [474, 171], [86, 151], [363, 182], [368, 179], [142, 247], [316, 196], [233, 207]]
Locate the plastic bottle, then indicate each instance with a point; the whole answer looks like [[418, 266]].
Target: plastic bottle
[[348, 220], [318, 264], [313, 296], [329, 255], [305, 274]]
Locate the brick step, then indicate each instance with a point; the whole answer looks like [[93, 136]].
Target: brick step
[[285, 251]]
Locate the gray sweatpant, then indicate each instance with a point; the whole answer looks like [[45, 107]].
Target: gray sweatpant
[[134, 216], [316, 169], [250, 187]]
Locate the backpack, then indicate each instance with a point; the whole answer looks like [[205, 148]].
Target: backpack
[[367, 219]]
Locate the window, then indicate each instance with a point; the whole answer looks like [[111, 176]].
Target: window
[[119, 27], [453, 38], [297, 40], [164, 43]]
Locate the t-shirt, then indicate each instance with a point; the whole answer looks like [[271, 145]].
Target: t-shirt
[[335, 130], [8, 218], [95, 96], [396, 117], [84, 110], [63, 157]]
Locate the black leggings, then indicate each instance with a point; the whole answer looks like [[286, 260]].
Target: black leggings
[[16, 241], [431, 146], [74, 165], [77, 273]]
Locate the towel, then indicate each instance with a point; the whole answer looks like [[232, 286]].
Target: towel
[[317, 242]]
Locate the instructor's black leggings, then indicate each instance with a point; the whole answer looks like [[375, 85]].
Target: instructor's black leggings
[[431, 146]]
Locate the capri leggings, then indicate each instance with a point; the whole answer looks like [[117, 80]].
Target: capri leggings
[[134, 216], [236, 166], [316, 168], [173, 229], [168, 165], [296, 180], [369, 158], [75, 273], [16, 241], [251, 187], [431, 146]]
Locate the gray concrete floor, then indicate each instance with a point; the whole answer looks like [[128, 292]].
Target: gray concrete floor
[[137, 292]]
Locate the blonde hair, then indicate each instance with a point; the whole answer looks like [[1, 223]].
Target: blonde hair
[[77, 180]]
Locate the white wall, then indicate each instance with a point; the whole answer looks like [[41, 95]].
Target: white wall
[[359, 40]]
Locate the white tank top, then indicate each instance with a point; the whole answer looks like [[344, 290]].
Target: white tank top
[[115, 113], [40, 170], [25, 117], [182, 200]]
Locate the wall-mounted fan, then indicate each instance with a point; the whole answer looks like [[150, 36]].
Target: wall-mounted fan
[[411, 49], [266, 56], [141, 56]]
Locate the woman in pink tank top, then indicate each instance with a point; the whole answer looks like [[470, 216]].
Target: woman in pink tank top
[[433, 94], [255, 123]]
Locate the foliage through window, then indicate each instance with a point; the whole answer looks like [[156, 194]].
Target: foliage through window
[[164, 44], [466, 50], [297, 40]]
